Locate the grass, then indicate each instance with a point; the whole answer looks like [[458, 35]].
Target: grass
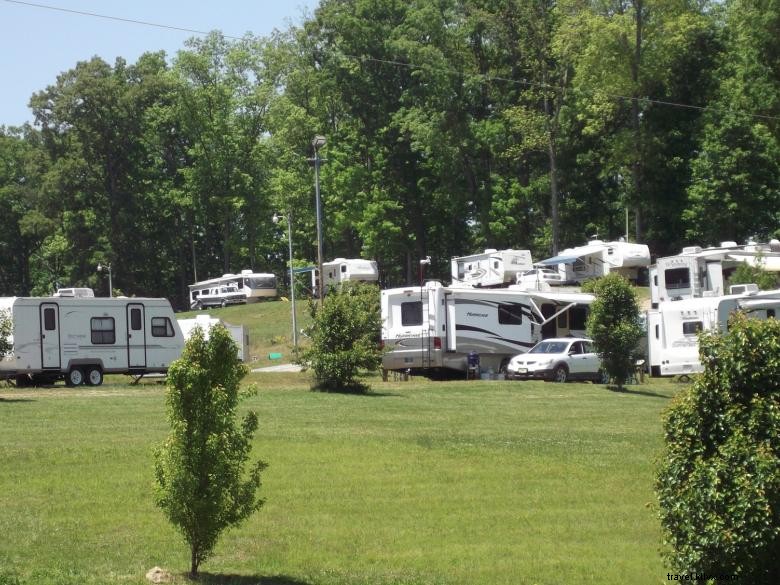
[[418, 483], [268, 324]]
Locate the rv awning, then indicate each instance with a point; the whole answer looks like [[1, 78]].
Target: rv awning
[[558, 260], [758, 304], [770, 263]]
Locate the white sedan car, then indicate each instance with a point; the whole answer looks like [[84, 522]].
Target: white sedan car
[[559, 360]]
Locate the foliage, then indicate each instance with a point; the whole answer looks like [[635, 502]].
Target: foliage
[[746, 274], [345, 338], [719, 479], [613, 324], [202, 484], [6, 329]]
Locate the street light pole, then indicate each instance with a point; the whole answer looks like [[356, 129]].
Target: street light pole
[[292, 278], [317, 143]]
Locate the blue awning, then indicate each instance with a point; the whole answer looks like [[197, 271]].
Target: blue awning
[[558, 260]]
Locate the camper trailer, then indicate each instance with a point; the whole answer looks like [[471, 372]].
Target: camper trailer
[[344, 269], [79, 339], [599, 258], [697, 272], [206, 322], [673, 327], [432, 328], [492, 268]]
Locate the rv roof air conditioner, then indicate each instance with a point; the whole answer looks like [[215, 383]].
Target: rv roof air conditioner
[[729, 244], [743, 289], [691, 249], [80, 293]]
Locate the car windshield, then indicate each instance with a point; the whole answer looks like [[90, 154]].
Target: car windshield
[[549, 347]]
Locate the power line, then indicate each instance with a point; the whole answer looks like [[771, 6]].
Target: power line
[[487, 78], [116, 18]]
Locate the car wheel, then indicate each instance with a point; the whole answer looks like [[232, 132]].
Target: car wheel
[[199, 306], [560, 374], [94, 376], [75, 377]]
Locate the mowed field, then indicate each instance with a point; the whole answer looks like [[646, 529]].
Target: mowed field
[[418, 483]]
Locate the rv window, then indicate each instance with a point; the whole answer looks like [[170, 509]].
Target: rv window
[[161, 327], [692, 327], [770, 313], [135, 319], [495, 264], [510, 314], [49, 319], [563, 320], [411, 313], [577, 318], [103, 332], [677, 278], [343, 267]]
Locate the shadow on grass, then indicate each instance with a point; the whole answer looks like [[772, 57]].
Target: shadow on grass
[[212, 579], [629, 390], [10, 400]]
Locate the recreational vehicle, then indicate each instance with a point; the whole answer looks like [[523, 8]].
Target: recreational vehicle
[[434, 327], [599, 258], [254, 285], [344, 269], [492, 268], [673, 327], [80, 339], [697, 272]]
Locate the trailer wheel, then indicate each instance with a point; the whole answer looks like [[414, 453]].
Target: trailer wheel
[[199, 306], [224, 303], [75, 377], [560, 374], [94, 376]]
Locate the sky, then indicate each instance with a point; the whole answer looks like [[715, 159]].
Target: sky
[[38, 43]]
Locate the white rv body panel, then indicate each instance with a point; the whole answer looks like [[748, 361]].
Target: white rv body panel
[[254, 286], [206, 322], [435, 327], [599, 258], [346, 269], [492, 268], [672, 328], [54, 335]]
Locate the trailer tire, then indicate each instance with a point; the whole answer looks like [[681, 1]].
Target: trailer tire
[[94, 376], [75, 377], [224, 303]]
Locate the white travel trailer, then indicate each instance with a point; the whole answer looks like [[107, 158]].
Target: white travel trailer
[[673, 327], [492, 268], [697, 272], [254, 285], [434, 327], [599, 258], [82, 338], [206, 322], [344, 269]]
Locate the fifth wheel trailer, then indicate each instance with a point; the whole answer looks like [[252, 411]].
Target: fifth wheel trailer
[[81, 339], [433, 327]]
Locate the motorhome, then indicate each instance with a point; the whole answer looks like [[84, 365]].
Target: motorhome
[[206, 322], [79, 339], [492, 268], [432, 328], [346, 269], [254, 285], [697, 272], [599, 258], [673, 327]]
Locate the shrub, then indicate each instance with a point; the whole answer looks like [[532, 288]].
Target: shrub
[[6, 328], [719, 479], [201, 483], [345, 338], [613, 324]]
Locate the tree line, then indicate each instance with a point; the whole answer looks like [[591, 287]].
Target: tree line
[[451, 126]]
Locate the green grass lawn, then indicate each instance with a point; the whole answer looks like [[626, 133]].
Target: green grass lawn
[[419, 483]]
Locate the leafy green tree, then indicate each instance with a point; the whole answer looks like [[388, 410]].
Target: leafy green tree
[[203, 484], [719, 479], [613, 324], [6, 328], [746, 274], [345, 338]]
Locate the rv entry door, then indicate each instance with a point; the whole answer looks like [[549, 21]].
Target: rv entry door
[[50, 336], [136, 336]]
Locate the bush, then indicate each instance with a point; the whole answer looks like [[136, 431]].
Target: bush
[[6, 328], [201, 483], [613, 324], [719, 480], [345, 338]]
